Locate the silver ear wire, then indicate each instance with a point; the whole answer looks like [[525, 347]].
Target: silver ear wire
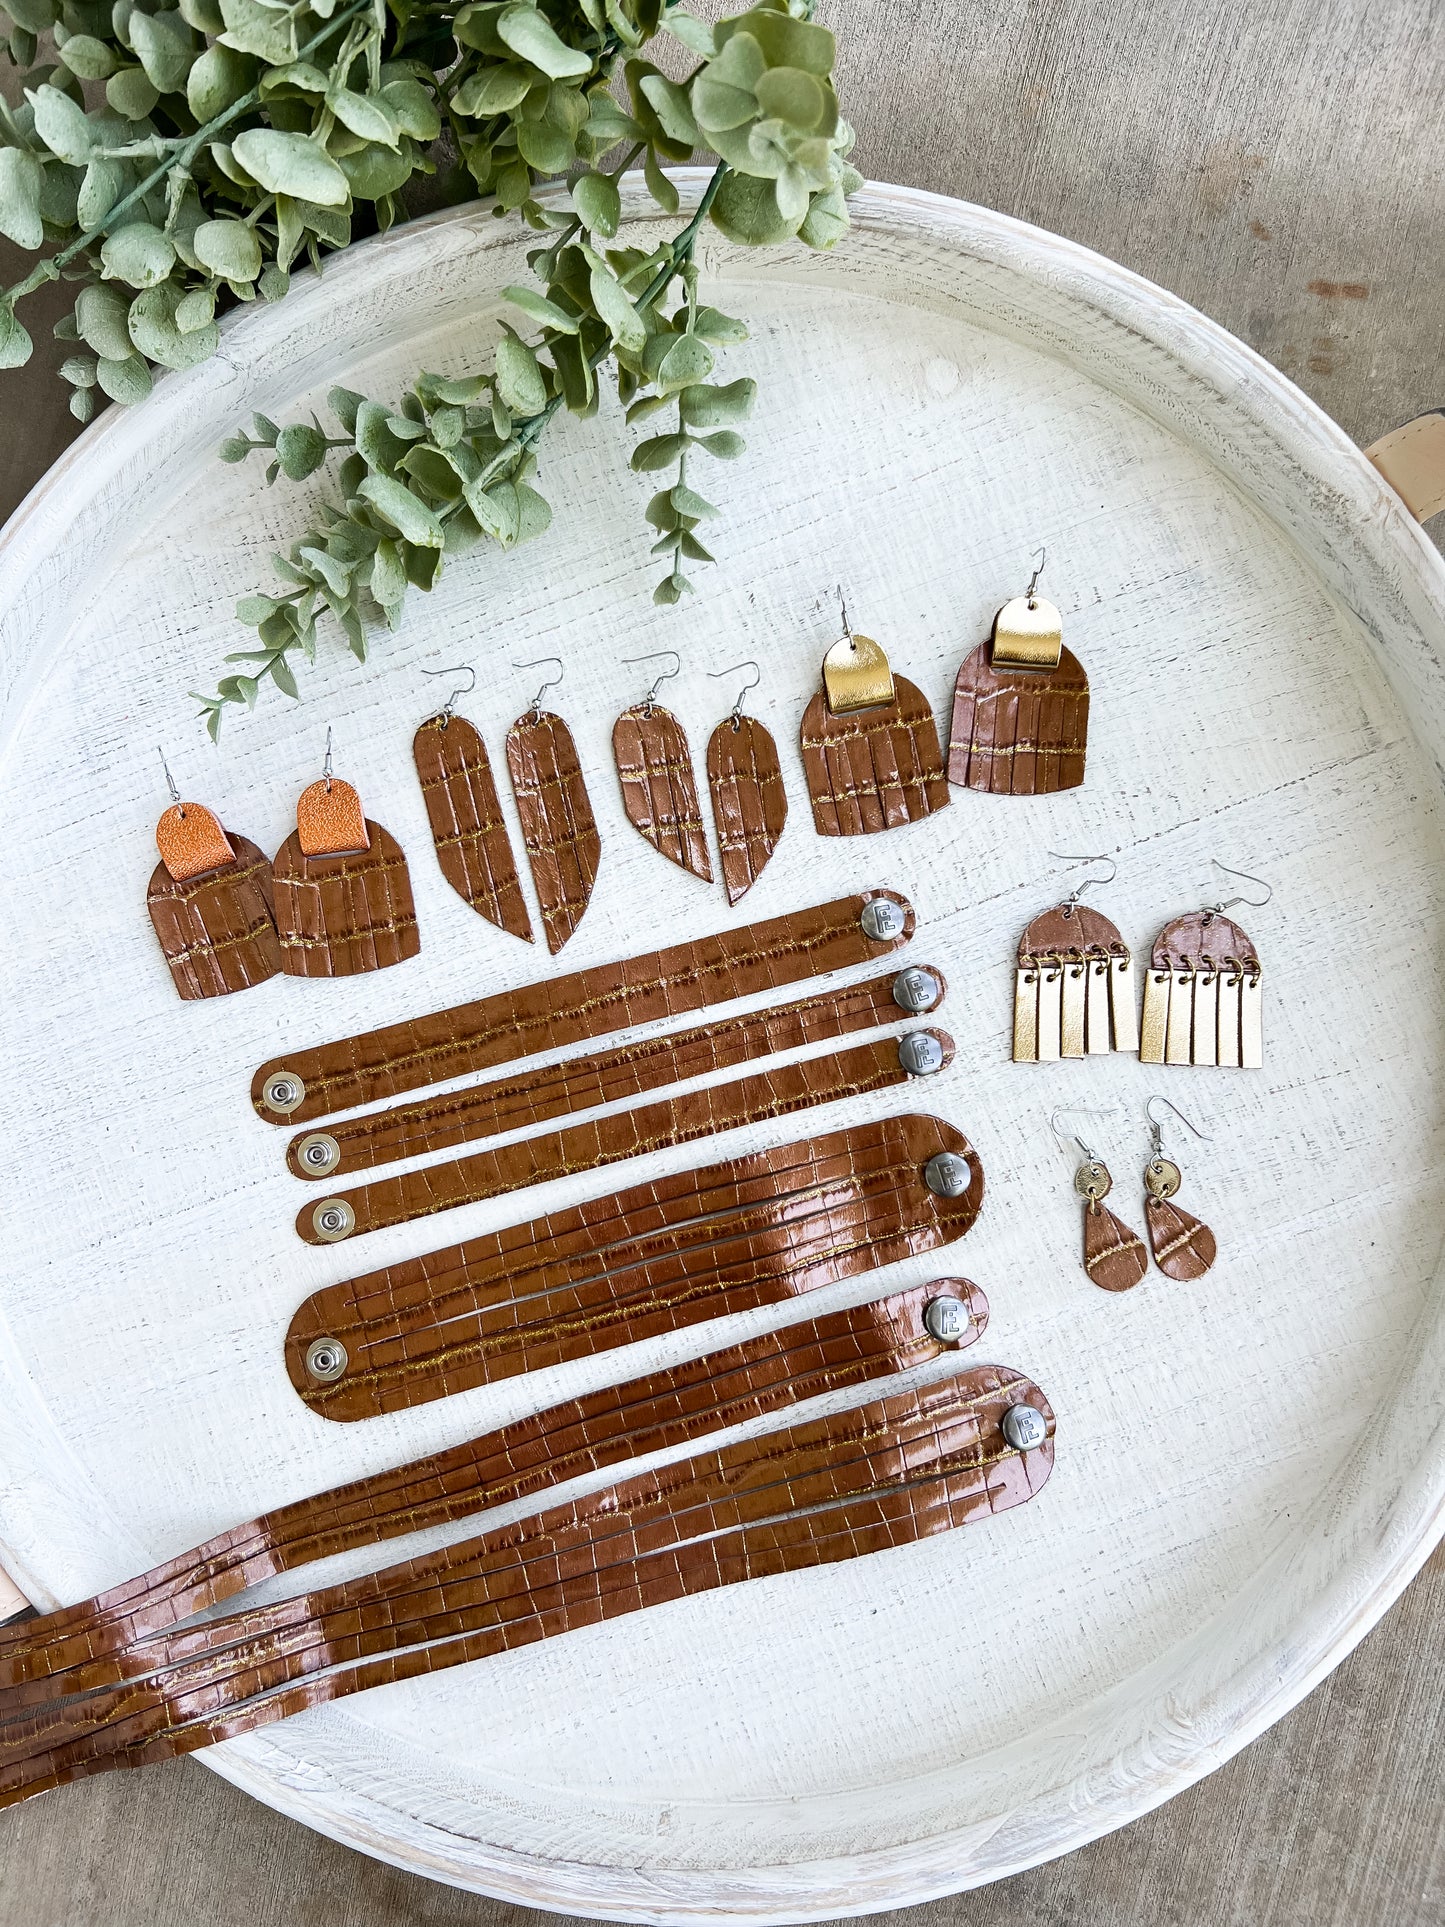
[[656, 655], [171, 783], [1076, 1110], [731, 670], [551, 683], [1088, 882], [1255, 903], [449, 706]]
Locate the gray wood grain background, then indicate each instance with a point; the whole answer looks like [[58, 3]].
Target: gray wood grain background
[[1279, 163]]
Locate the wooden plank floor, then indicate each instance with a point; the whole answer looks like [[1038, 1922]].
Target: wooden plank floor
[[1282, 166]]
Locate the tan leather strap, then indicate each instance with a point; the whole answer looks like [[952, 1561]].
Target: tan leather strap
[[879, 1476], [663, 1256], [614, 1139], [1412, 460], [605, 1076], [590, 1003], [84, 1646]]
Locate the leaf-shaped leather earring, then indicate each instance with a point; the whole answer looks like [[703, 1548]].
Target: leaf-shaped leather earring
[[745, 779], [558, 827], [210, 899], [1074, 981], [1183, 1247], [1114, 1257], [473, 849], [343, 894], [1020, 705], [870, 745], [1203, 990], [654, 767]]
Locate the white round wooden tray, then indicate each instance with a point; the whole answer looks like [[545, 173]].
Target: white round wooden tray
[[1249, 1468]]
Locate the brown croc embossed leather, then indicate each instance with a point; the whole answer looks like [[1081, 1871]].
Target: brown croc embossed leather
[[659, 792], [873, 769], [749, 805], [558, 827], [473, 849], [216, 920]]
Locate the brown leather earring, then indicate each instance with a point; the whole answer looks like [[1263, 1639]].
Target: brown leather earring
[[870, 745], [1114, 1257], [343, 893], [745, 779], [1020, 705], [473, 849], [210, 899], [559, 830], [1184, 1248], [1073, 982], [654, 767], [1203, 990]]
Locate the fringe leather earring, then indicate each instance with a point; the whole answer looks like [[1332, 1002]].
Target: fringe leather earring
[[1020, 705], [1203, 994], [870, 745], [473, 849], [654, 767], [745, 779], [1183, 1247], [343, 894], [1114, 1257], [210, 899], [558, 827], [1074, 982]]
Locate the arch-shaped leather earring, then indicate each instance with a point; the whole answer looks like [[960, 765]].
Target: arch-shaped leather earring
[[1074, 981], [210, 899], [1021, 705], [1203, 990]]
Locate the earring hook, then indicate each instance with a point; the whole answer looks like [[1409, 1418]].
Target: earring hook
[[1204, 1136], [1088, 882], [326, 765], [1043, 556], [847, 626], [656, 655], [1256, 903], [171, 783], [551, 683], [1075, 1110], [459, 669], [731, 670]]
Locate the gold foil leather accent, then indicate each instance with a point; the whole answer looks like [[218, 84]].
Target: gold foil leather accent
[[1121, 1003], [1156, 1016], [1073, 986], [856, 676], [1026, 1015], [1203, 995], [1028, 634]]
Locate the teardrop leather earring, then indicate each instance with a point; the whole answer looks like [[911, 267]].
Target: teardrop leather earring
[[343, 895], [558, 827], [654, 767], [1203, 994], [870, 745], [473, 849], [210, 900], [1021, 705], [745, 779], [1183, 1247], [1114, 1257], [1074, 981]]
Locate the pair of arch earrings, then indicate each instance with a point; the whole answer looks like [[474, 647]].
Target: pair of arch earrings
[[1074, 986], [1114, 1256]]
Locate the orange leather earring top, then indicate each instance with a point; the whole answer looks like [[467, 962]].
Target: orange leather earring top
[[343, 894], [210, 900], [191, 841], [329, 820]]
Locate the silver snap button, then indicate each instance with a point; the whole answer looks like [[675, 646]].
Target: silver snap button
[[1024, 1427], [947, 1175], [326, 1359], [920, 1053], [283, 1091], [883, 919], [915, 990], [332, 1220], [318, 1153], [946, 1319]]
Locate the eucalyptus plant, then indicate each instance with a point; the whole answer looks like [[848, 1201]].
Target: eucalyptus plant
[[176, 162]]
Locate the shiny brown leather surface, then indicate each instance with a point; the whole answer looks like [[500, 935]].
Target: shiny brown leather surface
[[1114, 1256], [659, 792], [873, 769], [558, 827], [1069, 930], [1202, 938], [776, 1092], [879, 1476], [1018, 732], [589, 1003], [660, 1257], [749, 805], [339, 915], [474, 852], [1184, 1248], [218, 930], [83, 1646], [601, 1077]]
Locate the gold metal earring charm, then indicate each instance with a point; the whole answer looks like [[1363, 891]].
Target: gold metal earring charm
[[1114, 1257], [1184, 1247]]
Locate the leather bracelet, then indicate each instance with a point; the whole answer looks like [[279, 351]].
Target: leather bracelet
[[607, 1076], [84, 1646], [590, 1003], [660, 1257], [879, 1476], [671, 1121]]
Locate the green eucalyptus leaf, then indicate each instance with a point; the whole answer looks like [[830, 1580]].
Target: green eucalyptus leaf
[[826, 221], [162, 44], [376, 171], [661, 451], [330, 224], [336, 577], [131, 93], [127, 380], [275, 283], [531, 35], [88, 58], [412, 107], [101, 320], [696, 35], [218, 78], [104, 183], [431, 470], [687, 361], [546, 148], [658, 185], [82, 404], [693, 549], [254, 29], [669, 102], [746, 210], [78, 370], [717, 407], [712, 325], [286, 163], [204, 15], [36, 16], [367, 116], [782, 40], [195, 310], [541, 309], [725, 445], [597, 200], [62, 125], [492, 90], [616, 312], [21, 179], [788, 94], [15, 343], [285, 681], [671, 589], [300, 449], [687, 501], [396, 504], [519, 379], [388, 576], [138, 254], [157, 334]]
